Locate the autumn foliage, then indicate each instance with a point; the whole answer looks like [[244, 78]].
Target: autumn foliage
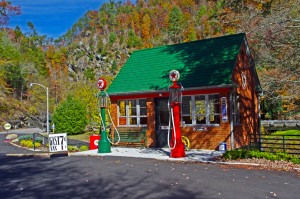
[[101, 41]]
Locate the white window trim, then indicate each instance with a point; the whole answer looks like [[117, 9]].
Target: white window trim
[[236, 110], [138, 116], [207, 111]]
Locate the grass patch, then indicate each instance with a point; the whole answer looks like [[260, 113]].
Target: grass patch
[[82, 137], [287, 132]]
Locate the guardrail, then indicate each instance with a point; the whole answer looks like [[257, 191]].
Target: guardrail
[[274, 125], [276, 143], [281, 123]]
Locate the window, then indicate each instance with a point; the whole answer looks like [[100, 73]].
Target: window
[[236, 109], [187, 110], [214, 109], [201, 109], [132, 112]]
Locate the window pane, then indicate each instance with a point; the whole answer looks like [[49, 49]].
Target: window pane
[[200, 105], [186, 105], [132, 111], [187, 119], [132, 103], [133, 121], [143, 102], [143, 120], [214, 109], [122, 120], [200, 120], [122, 108], [200, 109], [143, 111], [236, 108], [214, 119], [132, 107], [187, 110], [214, 101]]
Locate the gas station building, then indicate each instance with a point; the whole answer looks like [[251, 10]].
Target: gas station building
[[220, 99]]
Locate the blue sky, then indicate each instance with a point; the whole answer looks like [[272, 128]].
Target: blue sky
[[51, 17]]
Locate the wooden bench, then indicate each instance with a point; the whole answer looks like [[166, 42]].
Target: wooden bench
[[131, 138]]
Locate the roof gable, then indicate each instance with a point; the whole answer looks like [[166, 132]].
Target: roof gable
[[201, 63]]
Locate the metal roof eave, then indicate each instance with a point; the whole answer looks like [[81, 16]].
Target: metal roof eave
[[165, 91]]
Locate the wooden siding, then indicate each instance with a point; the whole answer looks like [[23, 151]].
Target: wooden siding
[[249, 123]]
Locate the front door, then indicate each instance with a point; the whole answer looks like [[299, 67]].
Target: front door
[[161, 122]]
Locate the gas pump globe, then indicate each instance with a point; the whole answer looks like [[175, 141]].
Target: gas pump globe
[[103, 144], [101, 84], [175, 99], [175, 90]]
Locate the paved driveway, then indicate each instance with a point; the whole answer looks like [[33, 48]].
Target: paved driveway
[[135, 178]]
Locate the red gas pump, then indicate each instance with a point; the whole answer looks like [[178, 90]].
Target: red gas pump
[[175, 99]]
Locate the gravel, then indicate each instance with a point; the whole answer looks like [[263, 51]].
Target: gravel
[[265, 164]]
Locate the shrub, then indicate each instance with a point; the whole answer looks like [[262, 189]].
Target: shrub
[[236, 154], [30, 137], [72, 148], [70, 116], [84, 148], [29, 143], [242, 153]]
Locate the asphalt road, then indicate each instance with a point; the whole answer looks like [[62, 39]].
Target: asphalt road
[[135, 178]]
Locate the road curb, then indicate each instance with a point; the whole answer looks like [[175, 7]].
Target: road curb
[[41, 155]]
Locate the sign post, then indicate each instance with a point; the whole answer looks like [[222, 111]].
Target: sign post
[[7, 126], [103, 144], [53, 127]]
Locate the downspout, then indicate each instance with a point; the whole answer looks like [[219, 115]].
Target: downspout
[[231, 120], [259, 121]]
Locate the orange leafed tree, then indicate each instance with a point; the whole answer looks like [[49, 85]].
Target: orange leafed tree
[[58, 71], [6, 10]]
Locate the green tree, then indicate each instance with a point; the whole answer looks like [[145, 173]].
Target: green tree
[[176, 25], [70, 116], [86, 93], [133, 40], [112, 37], [9, 63]]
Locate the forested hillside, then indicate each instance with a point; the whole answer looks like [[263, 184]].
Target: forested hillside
[[101, 41]]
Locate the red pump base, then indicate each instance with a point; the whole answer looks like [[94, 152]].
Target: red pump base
[[178, 151]]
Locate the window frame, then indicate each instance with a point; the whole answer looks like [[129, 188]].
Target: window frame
[[127, 116], [207, 113], [236, 116]]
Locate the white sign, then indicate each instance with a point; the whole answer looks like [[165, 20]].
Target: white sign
[[7, 126], [58, 142]]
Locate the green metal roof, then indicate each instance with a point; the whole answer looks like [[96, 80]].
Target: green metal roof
[[202, 63]]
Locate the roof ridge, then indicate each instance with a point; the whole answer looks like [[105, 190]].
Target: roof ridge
[[190, 42]]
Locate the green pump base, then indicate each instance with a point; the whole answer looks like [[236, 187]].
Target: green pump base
[[104, 147]]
